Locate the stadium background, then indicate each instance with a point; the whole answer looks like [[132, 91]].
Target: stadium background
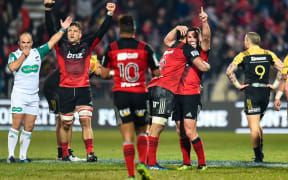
[[229, 21]]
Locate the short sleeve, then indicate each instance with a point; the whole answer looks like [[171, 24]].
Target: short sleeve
[[43, 50]]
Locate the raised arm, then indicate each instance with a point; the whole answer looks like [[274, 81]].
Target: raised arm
[[96, 37], [52, 23], [206, 32], [57, 36], [170, 38]]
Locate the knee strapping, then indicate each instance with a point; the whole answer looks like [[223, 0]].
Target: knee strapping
[[159, 120], [85, 112], [67, 118]]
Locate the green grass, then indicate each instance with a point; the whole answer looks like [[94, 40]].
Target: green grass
[[219, 146]]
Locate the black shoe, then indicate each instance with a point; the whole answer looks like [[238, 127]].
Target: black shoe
[[91, 157], [202, 167], [66, 158], [11, 159], [59, 156], [258, 160]]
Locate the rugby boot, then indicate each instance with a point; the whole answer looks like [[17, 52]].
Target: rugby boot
[[142, 170], [91, 157]]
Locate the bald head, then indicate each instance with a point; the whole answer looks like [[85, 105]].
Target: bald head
[[25, 40]]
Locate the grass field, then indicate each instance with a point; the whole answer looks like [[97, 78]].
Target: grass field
[[228, 156]]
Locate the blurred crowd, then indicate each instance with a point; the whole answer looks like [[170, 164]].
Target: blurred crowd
[[229, 21]]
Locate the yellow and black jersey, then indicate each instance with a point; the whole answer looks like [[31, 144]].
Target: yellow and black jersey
[[255, 62], [285, 66]]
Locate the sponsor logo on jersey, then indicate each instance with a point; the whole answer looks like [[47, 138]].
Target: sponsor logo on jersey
[[37, 58], [258, 58], [194, 53], [155, 103], [75, 56], [168, 52], [125, 84], [29, 69], [124, 56]]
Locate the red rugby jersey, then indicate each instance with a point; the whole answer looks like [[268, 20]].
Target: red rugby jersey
[[74, 60], [172, 65], [130, 59], [191, 78]]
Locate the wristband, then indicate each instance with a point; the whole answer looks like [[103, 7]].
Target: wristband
[[279, 94], [49, 5], [109, 13], [63, 30]]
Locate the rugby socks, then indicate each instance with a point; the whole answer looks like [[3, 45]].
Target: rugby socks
[[142, 148], [12, 141], [185, 146], [64, 147], [89, 145], [258, 153], [152, 150], [129, 156], [198, 148], [25, 139]]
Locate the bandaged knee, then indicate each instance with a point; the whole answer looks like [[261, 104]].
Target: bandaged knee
[[67, 118], [85, 112], [159, 120]]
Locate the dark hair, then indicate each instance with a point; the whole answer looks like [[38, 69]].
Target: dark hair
[[126, 23], [77, 24], [198, 33], [179, 36]]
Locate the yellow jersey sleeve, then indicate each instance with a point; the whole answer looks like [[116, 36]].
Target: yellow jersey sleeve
[[285, 66], [238, 59], [273, 55]]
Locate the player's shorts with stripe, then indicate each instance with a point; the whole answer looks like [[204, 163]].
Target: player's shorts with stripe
[[256, 100], [22, 103], [161, 101], [69, 98], [186, 107], [130, 107]]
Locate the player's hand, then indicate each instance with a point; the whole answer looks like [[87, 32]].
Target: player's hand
[[242, 87], [182, 29], [49, 4], [66, 23], [111, 7], [98, 70], [26, 51], [271, 87], [277, 104], [203, 16]]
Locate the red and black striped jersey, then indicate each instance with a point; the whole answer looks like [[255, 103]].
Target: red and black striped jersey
[[172, 65], [130, 59], [74, 60], [191, 77]]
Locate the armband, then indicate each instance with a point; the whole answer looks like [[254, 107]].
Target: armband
[[49, 5], [63, 30], [279, 94], [237, 84]]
